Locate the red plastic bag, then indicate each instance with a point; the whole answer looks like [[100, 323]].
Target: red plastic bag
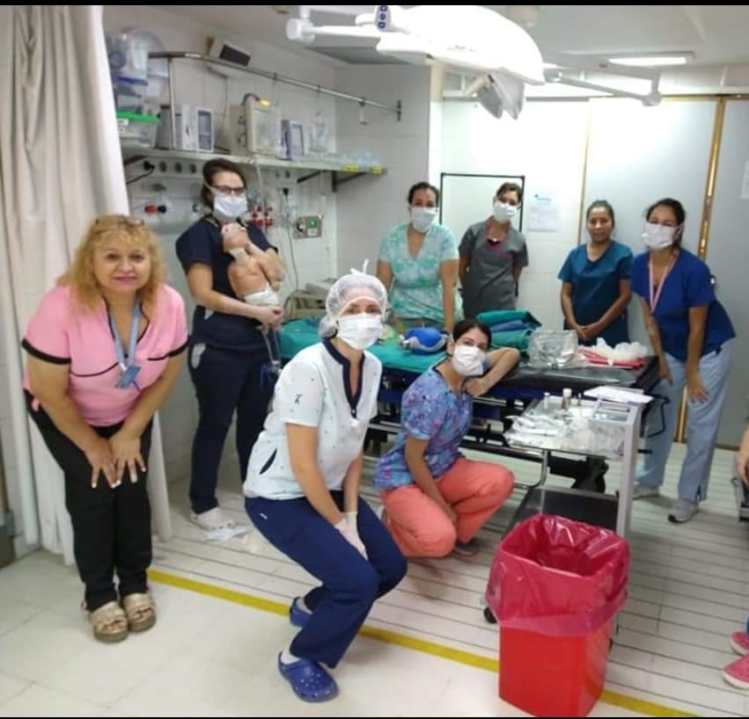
[[556, 576]]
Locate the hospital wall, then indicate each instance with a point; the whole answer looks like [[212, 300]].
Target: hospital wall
[[195, 84], [369, 206], [547, 145]]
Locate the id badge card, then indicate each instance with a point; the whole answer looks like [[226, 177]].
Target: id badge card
[[127, 379]]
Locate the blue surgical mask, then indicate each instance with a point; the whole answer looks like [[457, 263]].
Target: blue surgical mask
[[228, 207]]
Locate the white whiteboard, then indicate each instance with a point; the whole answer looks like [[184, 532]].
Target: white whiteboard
[[466, 199]]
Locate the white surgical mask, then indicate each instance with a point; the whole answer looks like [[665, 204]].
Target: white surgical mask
[[468, 361], [658, 237], [504, 211], [228, 207], [360, 331], [422, 218]]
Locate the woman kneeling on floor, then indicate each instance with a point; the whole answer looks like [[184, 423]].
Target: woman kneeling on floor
[[435, 499], [302, 484], [105, 348]]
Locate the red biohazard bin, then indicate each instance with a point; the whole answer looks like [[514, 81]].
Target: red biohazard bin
[[555, 586]]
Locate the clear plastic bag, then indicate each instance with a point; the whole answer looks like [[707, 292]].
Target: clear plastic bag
[[319, 136], [552, 348]]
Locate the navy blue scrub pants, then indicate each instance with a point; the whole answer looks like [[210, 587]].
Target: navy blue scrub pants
[[350, 583], [225, 381]]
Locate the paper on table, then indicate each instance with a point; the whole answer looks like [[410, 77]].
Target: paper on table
[[617, 394]]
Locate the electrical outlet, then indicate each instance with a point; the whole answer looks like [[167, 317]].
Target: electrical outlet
[[307, 226]]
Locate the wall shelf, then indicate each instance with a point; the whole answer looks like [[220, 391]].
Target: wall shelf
[[340, 172]]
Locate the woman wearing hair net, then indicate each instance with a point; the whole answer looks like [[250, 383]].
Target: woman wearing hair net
[[302, 485]]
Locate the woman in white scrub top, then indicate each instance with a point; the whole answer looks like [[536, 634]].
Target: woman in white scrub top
[[302, 486]]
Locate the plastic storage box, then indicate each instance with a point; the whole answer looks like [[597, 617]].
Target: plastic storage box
[[130, 93], [137, 130]]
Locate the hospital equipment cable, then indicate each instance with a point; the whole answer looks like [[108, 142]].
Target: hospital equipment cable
[[150, 169], [287, 225], [284, 215]]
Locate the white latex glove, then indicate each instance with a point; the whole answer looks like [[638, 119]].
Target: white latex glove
[[347, 527]]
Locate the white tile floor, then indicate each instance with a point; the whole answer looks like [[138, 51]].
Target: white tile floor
[[689, 589]]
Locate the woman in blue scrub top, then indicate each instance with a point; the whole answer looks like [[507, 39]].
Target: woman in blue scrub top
[[595, 282], [227, 350], [691, 334]]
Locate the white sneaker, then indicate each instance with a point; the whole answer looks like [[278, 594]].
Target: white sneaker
[[682, 511], [212, 519], [641, 491]]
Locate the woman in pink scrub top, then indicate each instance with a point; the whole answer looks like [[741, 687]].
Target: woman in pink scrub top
[[105, 347]]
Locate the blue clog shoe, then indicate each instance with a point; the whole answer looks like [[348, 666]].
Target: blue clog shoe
[[310, 682]]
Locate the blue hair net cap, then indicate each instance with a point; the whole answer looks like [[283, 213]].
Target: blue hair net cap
[[424, 340]]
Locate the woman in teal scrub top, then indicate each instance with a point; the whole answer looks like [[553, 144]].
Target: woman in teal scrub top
[[418, 264], [595, 282]]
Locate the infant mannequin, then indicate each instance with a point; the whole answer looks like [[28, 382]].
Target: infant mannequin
[[252, 276]]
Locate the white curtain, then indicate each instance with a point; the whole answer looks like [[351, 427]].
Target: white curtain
[[60, 166]]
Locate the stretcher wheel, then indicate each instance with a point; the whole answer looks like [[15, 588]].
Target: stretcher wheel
[[489, 616]]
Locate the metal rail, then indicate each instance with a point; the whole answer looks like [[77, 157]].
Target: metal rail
[[171, 56]]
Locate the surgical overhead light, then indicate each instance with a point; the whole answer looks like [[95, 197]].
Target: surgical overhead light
[[459, 37]]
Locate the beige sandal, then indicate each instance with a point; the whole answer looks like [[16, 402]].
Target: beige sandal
[[140, 611], [109, 623]]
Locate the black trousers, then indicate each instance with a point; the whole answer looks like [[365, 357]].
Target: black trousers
[[111, 527], [226, 382]]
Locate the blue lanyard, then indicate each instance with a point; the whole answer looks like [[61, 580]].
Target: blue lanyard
[[126, 364]]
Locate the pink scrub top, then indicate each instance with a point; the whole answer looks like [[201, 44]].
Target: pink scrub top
[[62, 332]]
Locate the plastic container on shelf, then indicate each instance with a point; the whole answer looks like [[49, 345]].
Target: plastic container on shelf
[[136, 129], [130, 93], [141, 42], [128, 56]]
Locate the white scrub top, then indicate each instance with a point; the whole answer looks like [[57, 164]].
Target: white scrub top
[[314, 390]]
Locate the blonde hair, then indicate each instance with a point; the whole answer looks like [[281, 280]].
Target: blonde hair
[[80, 276]]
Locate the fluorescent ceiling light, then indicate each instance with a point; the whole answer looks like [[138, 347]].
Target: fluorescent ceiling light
[[654, 60]]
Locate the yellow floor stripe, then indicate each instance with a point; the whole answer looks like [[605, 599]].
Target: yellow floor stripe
[[402, 640]]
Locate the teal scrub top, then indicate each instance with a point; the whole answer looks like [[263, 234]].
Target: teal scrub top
[[416, 291], [595, 287]]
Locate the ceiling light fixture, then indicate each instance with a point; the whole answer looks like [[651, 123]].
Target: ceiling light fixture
[[653, 60], [462, 37]]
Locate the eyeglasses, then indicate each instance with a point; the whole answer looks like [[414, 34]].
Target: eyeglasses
[[235, 191]]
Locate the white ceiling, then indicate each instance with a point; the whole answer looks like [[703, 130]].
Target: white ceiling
[[716, 34]]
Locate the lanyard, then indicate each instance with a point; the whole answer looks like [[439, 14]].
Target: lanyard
[[126, 365], [655, 296]]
